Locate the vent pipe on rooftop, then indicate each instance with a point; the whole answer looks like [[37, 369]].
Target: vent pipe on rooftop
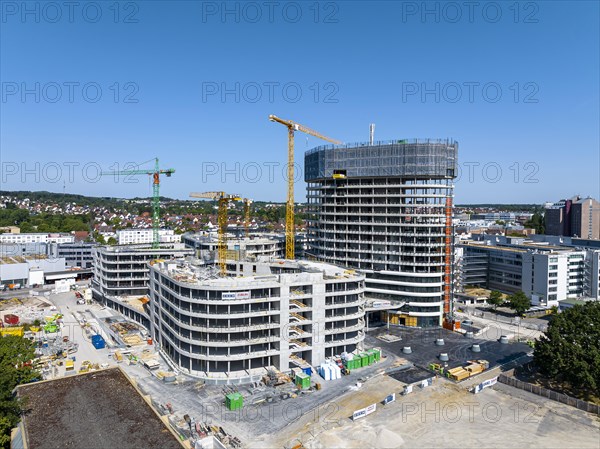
[[371, 133]]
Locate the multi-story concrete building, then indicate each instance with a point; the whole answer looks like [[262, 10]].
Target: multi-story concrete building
[[386, 209], [37, 237], [575, 217], [546, 273], [121, 276], [206, 247], [78, 254], [144, 236], [281, 314]]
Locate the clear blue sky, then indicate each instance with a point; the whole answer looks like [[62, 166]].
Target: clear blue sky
[[368, 56]]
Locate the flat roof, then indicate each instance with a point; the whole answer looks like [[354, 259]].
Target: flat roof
[[96, 410], [185, 272], [7, 260]]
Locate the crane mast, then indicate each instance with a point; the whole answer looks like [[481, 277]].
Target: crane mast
[[290, 241], [223, 200], [155, 193]]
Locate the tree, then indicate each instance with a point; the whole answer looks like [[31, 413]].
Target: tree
[[536, 222], [570, 349], [111, 241], [519, 302], [495, 299], [15, 369]]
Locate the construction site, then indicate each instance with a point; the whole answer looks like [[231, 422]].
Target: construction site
[[245, 348]]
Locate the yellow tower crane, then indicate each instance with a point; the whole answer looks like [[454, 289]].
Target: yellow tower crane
[[224, 199], [247, 203], [290, 242]]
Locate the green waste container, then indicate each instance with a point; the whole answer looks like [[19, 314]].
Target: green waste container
[[303, 381], [234, 401], [371, 356], [377, 353], [364, 359]]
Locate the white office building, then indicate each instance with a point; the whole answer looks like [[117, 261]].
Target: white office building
[[145, 236]]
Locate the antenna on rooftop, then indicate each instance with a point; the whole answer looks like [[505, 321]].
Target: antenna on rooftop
[[371, 133]]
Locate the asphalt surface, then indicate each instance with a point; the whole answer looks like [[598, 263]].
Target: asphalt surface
[[457, 346]]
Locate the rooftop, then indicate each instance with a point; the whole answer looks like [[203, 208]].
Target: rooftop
[[144, 248], [7, 260], [95, 410], [184, 271]]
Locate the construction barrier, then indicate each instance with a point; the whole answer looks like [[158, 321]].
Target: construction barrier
[[552, 395]]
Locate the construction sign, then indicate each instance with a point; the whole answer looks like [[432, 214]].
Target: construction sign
[[364, 412], [485, 384]]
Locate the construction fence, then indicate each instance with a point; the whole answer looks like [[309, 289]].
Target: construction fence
[[553, 395]]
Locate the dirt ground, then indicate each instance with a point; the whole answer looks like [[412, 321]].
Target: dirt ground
[[444, 415]]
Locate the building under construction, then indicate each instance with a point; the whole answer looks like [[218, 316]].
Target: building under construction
[[277, 314], [248, 248], [386, 208], [121, 276]]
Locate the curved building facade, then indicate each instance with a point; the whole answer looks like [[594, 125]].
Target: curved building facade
[[281, 314], [386, 209]]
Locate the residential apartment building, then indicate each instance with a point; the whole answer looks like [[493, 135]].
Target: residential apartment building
[[386, 209]]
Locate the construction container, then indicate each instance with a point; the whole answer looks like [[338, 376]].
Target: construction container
[[377, 353], [234, 401], [364, 359], [371, 354], [349, 364], [11, 319], [98, 341], [12, 331], [303, 381], [307, 370]]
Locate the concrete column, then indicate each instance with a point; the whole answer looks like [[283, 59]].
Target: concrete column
[[318, 327]]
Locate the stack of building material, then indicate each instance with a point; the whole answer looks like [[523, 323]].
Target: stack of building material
[[330, 371]]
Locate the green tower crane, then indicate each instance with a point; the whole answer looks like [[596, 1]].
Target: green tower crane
[[155, 193]]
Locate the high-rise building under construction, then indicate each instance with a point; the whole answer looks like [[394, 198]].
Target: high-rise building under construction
[[386, 208]]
